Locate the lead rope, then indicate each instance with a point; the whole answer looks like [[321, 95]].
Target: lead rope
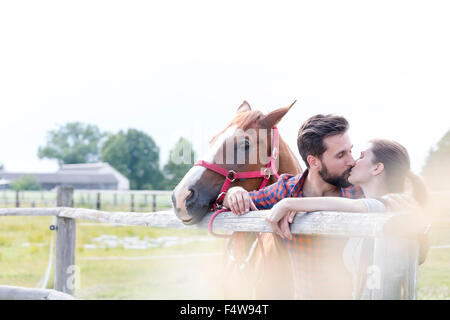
[[231, 176], [252, 249], [258, 240], [210, 225], [42, 284]]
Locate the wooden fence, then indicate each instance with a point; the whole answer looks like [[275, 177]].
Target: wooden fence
[[395, 255], [148, 198], [19, 293]]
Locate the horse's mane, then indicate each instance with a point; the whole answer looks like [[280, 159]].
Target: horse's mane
[[243, 120]]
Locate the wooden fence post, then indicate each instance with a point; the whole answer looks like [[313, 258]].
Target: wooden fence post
[[154, 203], [17, 199], [98, 201], [132, 203], [65, 245], [395, 261], [413, 270]]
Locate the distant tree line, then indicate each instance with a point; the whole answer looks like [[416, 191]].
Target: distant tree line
[[136, 155], [436, 171], [132, 152], [26, 182]]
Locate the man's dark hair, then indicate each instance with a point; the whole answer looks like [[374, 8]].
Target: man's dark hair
[[312, 133]]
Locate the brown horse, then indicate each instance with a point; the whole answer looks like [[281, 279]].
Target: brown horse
[[244, 145]]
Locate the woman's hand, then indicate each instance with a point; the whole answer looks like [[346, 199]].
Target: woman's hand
[[280, 217], [400, 202]]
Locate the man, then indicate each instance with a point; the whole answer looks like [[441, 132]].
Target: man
[[326, 149]]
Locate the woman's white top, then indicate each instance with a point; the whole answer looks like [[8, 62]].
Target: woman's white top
[[374, 205]]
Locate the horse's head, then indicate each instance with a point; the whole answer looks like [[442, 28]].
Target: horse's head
[[244, 145]]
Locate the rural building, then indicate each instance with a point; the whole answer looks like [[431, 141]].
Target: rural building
[[80, 176]]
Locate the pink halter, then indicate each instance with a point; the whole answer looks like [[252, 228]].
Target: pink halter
[[231, 175]]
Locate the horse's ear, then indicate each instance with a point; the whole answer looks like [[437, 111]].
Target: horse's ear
[[244, 107], [272, 118]]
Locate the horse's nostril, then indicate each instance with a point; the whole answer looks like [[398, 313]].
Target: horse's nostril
[[174, 200], [191, 197]]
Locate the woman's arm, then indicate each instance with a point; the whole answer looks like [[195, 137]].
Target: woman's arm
[[289, 206], [309, 204]]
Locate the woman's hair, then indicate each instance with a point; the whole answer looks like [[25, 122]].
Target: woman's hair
[[397, 166]]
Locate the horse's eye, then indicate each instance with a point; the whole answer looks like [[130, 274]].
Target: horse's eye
[[244, 144]]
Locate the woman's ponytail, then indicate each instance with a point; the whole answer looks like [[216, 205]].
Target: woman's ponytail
[[419, 190]]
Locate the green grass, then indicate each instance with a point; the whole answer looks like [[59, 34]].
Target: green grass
[[434, 279], [112, 279]]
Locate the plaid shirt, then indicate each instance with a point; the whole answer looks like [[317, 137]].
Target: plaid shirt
[[319, 271]]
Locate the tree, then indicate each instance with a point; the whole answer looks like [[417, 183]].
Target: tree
[[136, 155], [180, 161], [74, 142], [26, 182], [436, 171]]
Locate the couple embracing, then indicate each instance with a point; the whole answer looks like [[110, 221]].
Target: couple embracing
[[325, 268]]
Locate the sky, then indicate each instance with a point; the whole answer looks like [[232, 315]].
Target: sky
[[182, 68]]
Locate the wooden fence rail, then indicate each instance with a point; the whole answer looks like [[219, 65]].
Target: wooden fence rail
[[97, 198], [395, 256], [19, 293]]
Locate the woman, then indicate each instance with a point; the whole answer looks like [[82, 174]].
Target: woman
[[382, 170]]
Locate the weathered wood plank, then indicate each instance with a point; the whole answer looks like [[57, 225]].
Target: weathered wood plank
[[324, 223], [65, 245], [396, 258], [20, 293], [319, 223], [21, 212], [412, 270], [163, 219]]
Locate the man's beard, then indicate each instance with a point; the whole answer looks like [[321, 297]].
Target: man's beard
[[340, 181]]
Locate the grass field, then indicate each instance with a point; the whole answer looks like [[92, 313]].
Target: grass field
[[153, 273]]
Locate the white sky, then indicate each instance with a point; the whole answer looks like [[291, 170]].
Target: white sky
[[174, 68]]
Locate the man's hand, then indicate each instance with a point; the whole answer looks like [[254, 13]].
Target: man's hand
[[239, 201]]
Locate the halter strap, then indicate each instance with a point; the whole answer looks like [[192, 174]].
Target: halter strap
[[231, 176]]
